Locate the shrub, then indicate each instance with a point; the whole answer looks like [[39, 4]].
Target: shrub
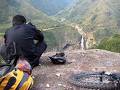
[[110, 44]]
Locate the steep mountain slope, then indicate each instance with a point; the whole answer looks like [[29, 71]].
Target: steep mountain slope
[[12, 7], [3, 15], [9, 8], [102, 17], [51, 7], [76, 11]]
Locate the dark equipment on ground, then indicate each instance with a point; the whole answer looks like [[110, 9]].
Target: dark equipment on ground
[[59, 58], [96, 80]]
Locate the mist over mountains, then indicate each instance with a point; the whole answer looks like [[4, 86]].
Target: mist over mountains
[[51, 7]]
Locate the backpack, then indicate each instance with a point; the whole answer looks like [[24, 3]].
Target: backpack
[[16, 80]]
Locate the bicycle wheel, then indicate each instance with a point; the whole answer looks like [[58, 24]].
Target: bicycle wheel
[[93, 81]]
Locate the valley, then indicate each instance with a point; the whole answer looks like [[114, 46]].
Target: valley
[[92, 20], [98, 17]]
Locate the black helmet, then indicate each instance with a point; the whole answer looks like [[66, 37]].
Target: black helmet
[[58, 58]]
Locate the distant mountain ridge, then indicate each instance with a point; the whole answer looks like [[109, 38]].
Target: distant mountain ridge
[[10, 8]]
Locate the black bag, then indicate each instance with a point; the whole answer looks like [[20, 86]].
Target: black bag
[[59, 58]]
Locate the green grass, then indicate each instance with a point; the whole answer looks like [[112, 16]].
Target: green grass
[[4, 27], [2, 34]]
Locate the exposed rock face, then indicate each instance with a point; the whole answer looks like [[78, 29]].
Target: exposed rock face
[[55, 77]]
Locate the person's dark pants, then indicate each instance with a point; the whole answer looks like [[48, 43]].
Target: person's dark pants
[[3, 52], [34, 60], [7, 55]]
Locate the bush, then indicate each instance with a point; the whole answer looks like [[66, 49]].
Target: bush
[[110, 44]]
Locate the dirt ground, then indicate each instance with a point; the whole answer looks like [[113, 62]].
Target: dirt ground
[[55, 77]]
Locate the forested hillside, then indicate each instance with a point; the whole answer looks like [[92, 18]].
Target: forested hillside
[[102, 17]]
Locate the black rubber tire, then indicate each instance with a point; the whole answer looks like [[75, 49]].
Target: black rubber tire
[[78, 80]]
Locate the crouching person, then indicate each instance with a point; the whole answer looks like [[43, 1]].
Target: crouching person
[[24, 35], [18, 79]]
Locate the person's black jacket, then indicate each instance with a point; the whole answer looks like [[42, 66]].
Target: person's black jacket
[[24, 36]]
